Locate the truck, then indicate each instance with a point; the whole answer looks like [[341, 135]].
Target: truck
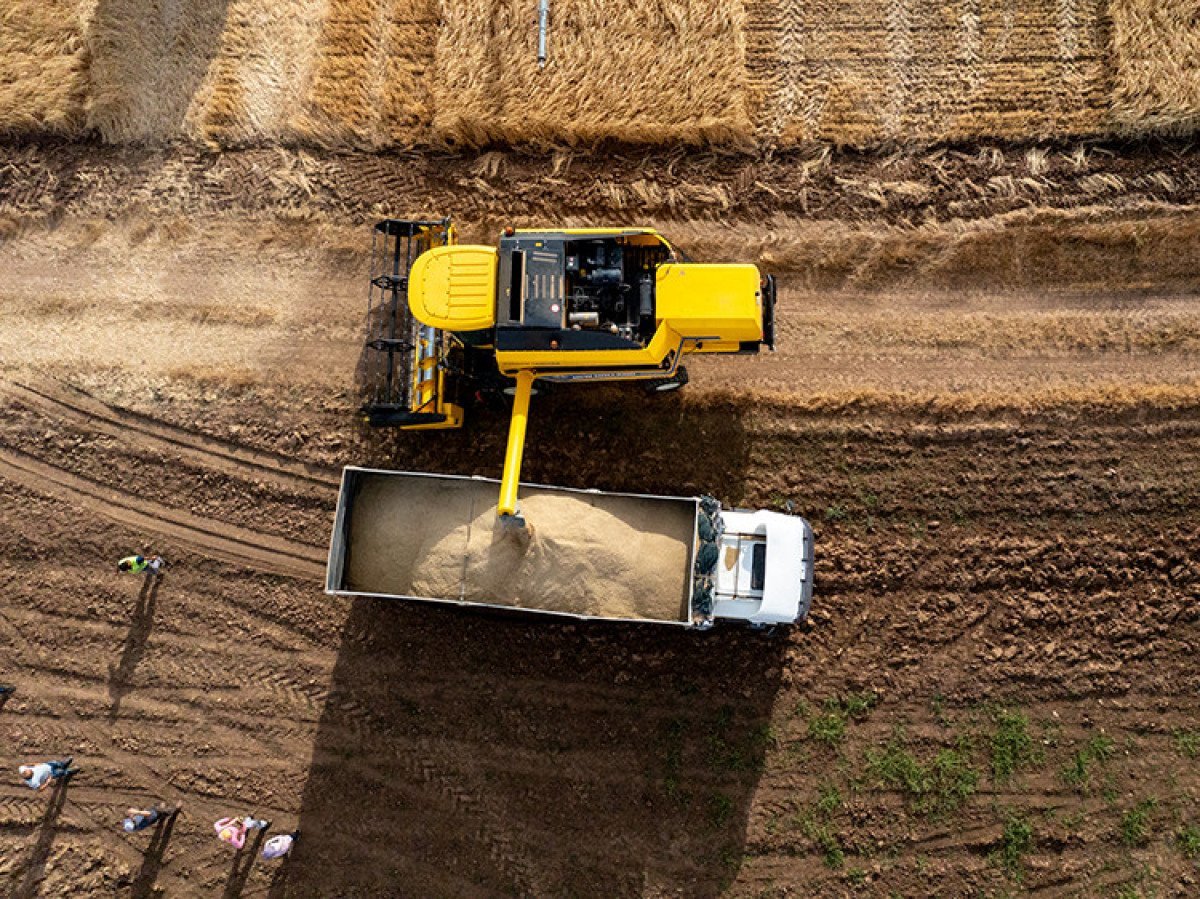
[[685, 561]]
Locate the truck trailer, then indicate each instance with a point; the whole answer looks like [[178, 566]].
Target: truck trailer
[[677, 560]]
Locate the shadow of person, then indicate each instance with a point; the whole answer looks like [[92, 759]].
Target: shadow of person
[[280, 879], [152, 858], [34, 868], [243, 862], [120, 675]]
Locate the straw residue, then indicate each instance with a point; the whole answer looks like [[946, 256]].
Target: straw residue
[[638, 72], [147, 62], [236, 72], [1156, 49], [375, 74], [43, 66], [864, 72]]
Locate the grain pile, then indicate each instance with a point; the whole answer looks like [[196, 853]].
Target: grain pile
[[43, 68], [421, 537], [867, 71], [638, 72], [1156, 49]]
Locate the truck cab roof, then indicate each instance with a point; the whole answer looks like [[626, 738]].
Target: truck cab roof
[[750, 589]]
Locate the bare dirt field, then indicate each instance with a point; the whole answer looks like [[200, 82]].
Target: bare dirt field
[[986, 399]]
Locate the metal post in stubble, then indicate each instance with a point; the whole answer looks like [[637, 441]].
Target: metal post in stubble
[[543, 30]]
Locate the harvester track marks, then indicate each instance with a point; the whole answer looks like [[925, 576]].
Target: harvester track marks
[[198, 672], [793, 75], [87, 815], [220, 541], [82, 408], [179, 644], [900, 57], [418, 759], [133, 766], [971, 41], [20, 812]]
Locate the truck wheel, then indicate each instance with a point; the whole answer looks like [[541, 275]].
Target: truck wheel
[[668, 385]]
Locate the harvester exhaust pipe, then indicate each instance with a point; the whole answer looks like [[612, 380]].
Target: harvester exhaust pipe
[[511, 479]]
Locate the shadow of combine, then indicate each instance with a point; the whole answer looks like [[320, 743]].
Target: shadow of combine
[[609, 437], [463, 753], [478, 754]]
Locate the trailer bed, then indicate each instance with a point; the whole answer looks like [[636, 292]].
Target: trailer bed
[[590, 554]]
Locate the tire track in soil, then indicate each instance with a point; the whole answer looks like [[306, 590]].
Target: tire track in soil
[[189, 656], [131, 764], [150, 780], [285, 557], [419, 762], [221, 541], [90, 814], [181, 645], [137, 770], [76, 405]]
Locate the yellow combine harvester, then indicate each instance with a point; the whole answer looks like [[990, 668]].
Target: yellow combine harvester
[[447, 320]]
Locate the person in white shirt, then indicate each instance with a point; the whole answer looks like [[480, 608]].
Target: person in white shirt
[[39, 776], [281, 845]]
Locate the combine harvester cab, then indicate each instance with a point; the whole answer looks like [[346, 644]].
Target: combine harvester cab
[[592, 555], [446, 321]]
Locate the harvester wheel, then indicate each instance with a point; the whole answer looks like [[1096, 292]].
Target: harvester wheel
[[668, 385]]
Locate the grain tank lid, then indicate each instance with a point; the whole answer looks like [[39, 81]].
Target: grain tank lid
[[454, 288], [724, 301]]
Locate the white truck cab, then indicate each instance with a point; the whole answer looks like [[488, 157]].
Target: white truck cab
[[764, 571]]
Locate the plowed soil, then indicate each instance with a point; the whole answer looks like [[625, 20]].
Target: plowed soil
[[986, 399]]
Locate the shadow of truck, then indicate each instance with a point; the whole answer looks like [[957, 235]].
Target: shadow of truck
[[466, 753]]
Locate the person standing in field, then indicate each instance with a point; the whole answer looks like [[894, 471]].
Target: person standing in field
[[280, 845], [152, 565], [38, 777], [140, 818], [233, 830]]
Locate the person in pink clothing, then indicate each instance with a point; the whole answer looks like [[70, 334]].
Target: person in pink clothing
[[233, 830]]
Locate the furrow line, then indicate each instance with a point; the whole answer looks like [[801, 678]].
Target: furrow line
[[222, 541], [82, 408]]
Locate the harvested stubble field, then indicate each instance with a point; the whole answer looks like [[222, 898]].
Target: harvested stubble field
[[986, 399], [776, 73]]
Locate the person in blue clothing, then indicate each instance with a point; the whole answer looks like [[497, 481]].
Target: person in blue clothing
[[140, 818]]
